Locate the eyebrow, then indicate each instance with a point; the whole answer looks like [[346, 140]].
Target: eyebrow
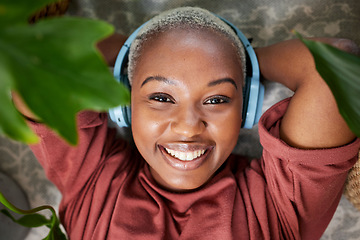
[[168, 81], [222, 80], [157, 78]]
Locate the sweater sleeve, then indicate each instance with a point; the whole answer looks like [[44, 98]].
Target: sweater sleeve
[[305, 185], [70, 168]]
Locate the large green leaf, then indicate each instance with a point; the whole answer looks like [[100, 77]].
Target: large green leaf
[[56, 68], [341, 71]]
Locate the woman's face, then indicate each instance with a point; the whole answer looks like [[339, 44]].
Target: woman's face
[[186, 102]]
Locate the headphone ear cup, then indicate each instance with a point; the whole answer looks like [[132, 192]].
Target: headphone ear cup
[[253, 97], [126, 110], [246, 94], [253, 91], [121, 115]]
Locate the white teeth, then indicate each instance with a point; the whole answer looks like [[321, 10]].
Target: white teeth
[[185, 156], [190, 156]]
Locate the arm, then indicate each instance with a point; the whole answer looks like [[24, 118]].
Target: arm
[[305, 185], [312, 119]]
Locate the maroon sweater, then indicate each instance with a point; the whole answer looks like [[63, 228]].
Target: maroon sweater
[[109, 193]]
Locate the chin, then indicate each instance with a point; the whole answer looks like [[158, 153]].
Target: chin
[[179, 185]]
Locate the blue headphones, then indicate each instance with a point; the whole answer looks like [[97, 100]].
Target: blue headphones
[[253, 92]]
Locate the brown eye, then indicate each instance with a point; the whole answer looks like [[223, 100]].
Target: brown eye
[[161, 97], [217, 100]]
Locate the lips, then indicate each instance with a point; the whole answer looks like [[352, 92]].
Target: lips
[[185, 157]]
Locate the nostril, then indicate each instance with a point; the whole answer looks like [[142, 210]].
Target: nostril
[[205, 123]]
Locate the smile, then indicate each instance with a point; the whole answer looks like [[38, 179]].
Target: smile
[[185, 156]]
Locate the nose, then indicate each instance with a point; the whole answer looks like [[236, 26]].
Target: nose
[[188, 122]]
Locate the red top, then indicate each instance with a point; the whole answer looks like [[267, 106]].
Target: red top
[[108, 191]]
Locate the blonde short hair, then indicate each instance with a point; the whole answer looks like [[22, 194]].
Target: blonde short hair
[[182, 18]]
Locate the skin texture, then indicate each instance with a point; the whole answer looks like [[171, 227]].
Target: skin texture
[[178, 103]]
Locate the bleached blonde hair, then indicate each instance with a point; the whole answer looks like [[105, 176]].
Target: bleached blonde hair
[[182, 18]]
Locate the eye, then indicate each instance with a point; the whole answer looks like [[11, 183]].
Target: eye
[[161, 97], [217, 100]]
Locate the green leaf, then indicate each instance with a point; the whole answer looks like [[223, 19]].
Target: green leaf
[[56, 68], [55, 231], [31, 220], [11, 122], [18, 11], [35, 220], [341, 71]]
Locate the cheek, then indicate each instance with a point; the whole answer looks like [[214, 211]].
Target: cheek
[[227, 129], [146, 128]]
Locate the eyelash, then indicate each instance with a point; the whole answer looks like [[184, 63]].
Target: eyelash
[[159, 97], [222, 99], [165, 98]]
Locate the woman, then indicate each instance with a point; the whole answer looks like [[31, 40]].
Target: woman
[[181, 181]]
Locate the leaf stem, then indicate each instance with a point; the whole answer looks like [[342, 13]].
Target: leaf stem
[[10, 206]]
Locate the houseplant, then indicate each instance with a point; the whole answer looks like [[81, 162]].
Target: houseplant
[[55, 67]]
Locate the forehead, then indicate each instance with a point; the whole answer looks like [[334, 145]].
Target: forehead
[[188, 50], [187, 35]]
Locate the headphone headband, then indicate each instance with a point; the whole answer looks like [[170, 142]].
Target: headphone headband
[[253, 92]]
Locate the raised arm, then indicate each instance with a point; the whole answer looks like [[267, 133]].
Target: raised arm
[[312, 119]]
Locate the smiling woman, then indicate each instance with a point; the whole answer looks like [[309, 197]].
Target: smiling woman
[[187, 111], [181, 181]]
